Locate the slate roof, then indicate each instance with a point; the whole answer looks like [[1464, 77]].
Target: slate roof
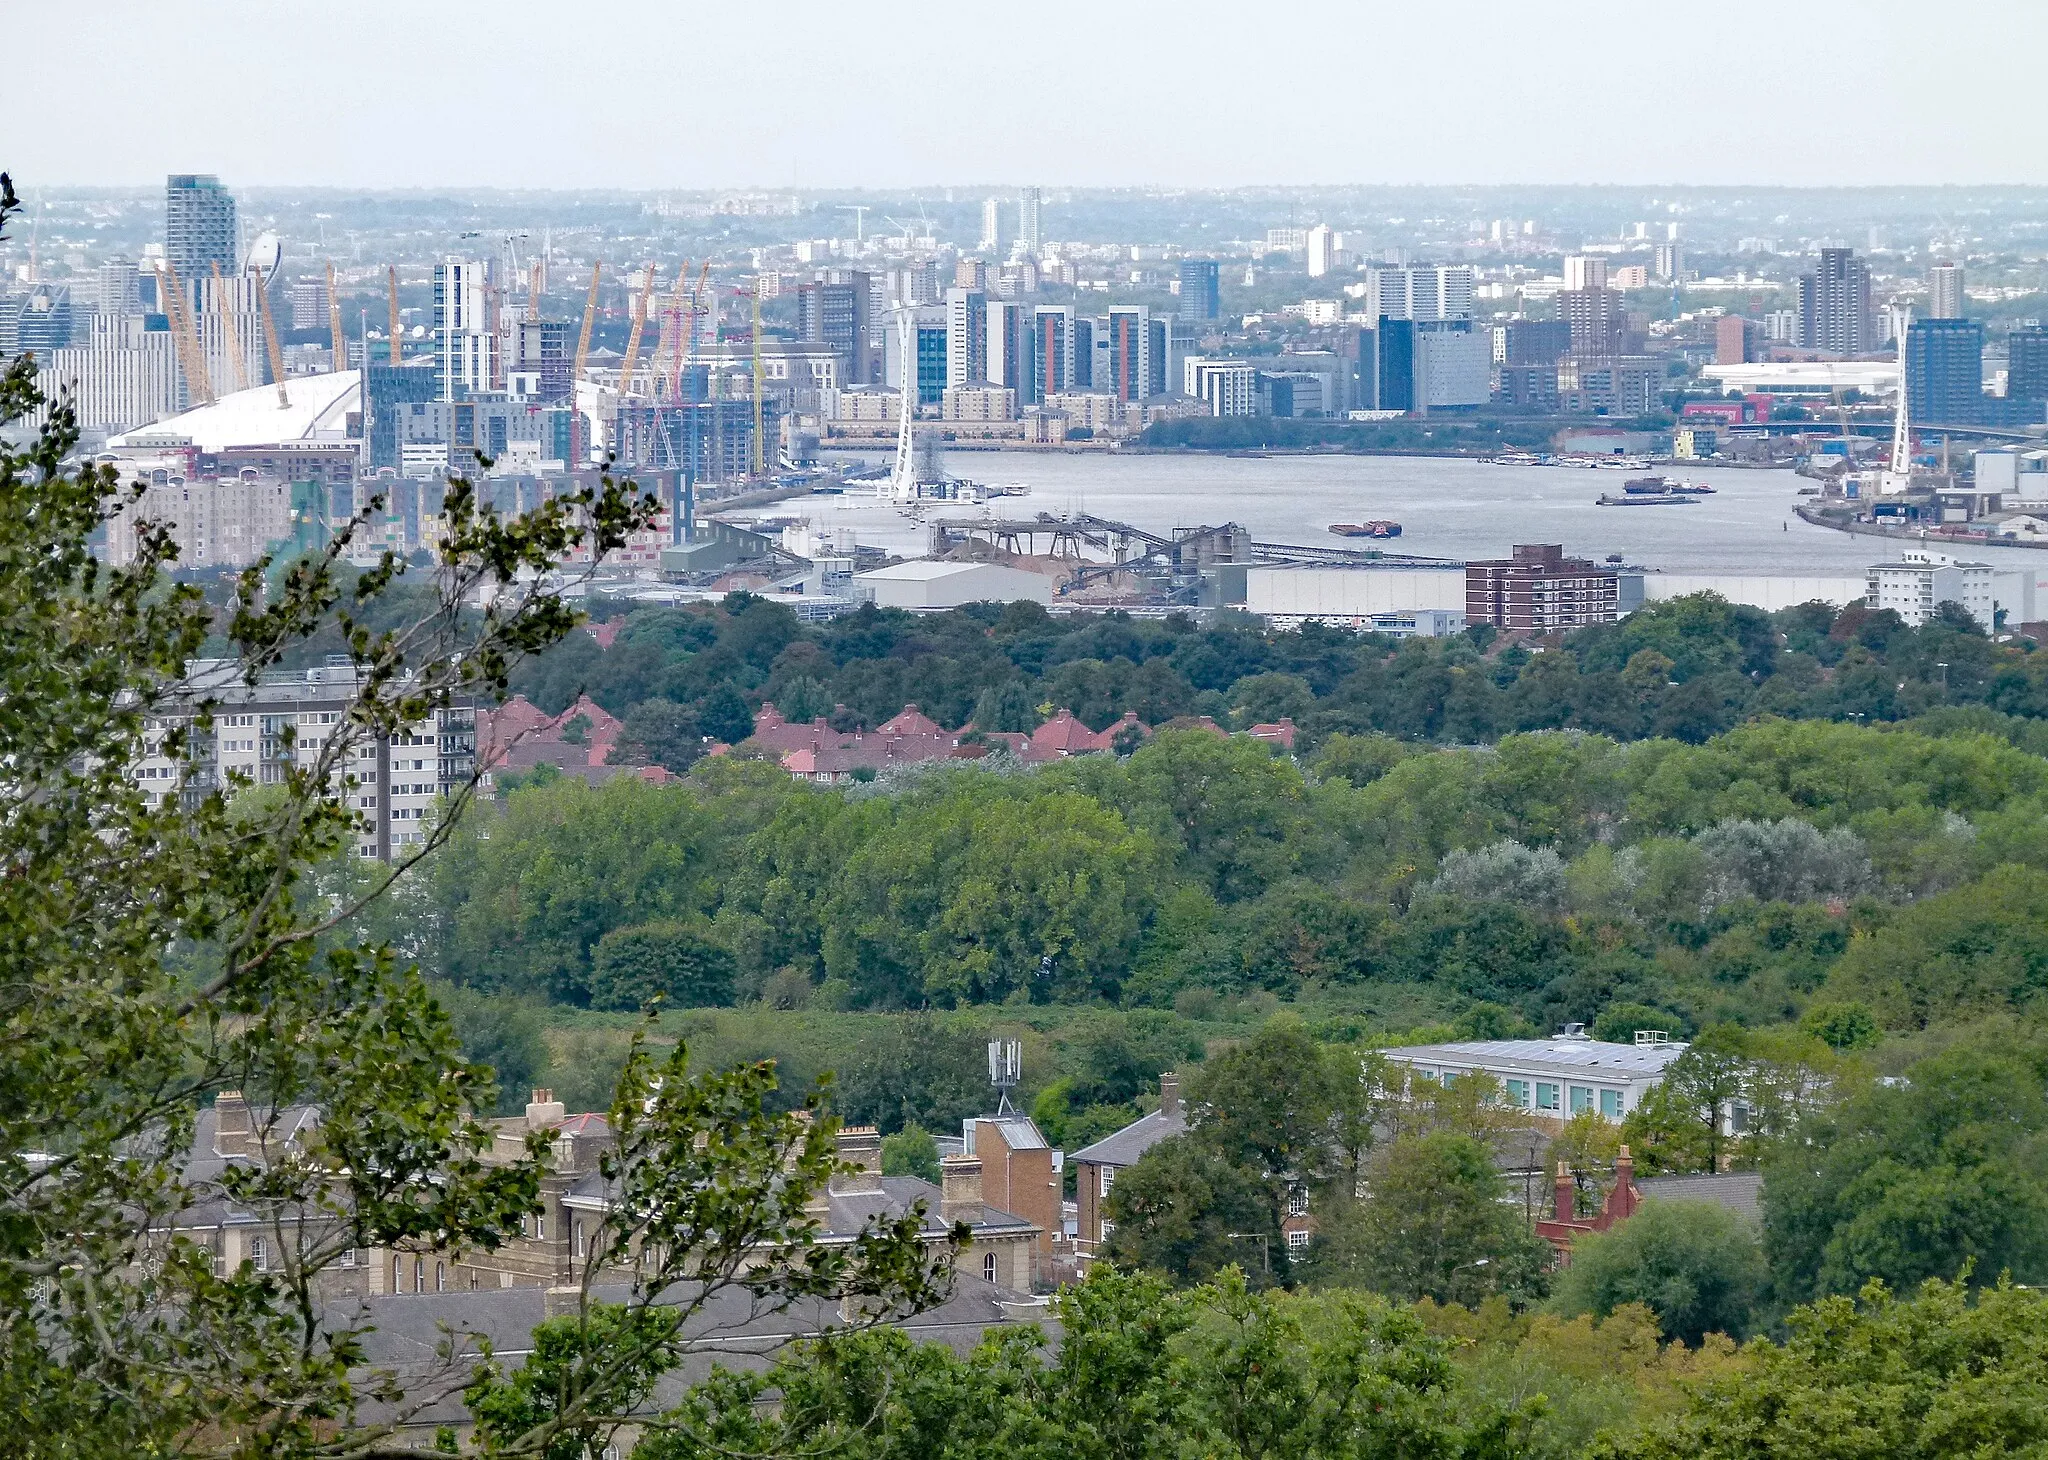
[[849, 1211], [1124, 1147], [1741, 1192], [731, 1330]]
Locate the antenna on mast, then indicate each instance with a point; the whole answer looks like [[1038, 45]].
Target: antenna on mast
[[1005, 1070]]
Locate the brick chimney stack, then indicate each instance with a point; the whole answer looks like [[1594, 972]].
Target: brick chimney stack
[[1567, 1194], [860, 1146], [1169, 1093], [233, 1130], [960, 1189]]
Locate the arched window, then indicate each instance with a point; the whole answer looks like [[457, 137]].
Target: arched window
[[576, 1238], [419, 1274], [440, 1277], [988, 1266], [397, 1274]]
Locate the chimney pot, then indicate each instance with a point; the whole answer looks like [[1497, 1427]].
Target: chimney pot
[[1169, 1093]]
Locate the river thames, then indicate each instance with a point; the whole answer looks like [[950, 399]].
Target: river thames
[[1448, 507]]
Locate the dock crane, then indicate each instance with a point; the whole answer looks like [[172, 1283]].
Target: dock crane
[[631, 365], [171, 293], [397, 326], [589, 318], [230, 337], [340, 361]]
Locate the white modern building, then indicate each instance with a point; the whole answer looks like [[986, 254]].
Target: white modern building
[[1453, 364], [1224, 387], [1322, 250], [125, 376], [465, 333], [1556, 1078], [1806, 377], [1922, 581], [1756, 590], [1288, 597], [1419, 291], [928, 583]]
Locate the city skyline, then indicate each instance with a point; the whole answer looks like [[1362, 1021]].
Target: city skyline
[[1393, 98]]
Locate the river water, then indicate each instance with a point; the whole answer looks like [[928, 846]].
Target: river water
[[1448, 507]]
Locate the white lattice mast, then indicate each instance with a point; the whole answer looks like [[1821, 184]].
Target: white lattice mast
[[1898, 474], [903, 481]]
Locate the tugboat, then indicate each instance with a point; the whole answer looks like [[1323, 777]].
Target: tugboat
[[1378, 528]]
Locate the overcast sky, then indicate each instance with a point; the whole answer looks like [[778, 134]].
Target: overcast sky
[[891, 93]]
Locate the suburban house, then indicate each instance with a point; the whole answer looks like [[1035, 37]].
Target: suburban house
[[1096, 1166], [1554, 1078], [518, 735], [1741, 1192]]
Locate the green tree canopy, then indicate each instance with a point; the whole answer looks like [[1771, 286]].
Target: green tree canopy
[[1694, 1264]]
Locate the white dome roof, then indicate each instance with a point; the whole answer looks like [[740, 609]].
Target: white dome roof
[[318, 412]]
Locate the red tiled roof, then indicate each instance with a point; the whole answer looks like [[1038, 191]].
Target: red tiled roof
[[909, 721], [518, 735], [1280, 732], [1065, 735]]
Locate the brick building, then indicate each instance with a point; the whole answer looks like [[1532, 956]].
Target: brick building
[[1540, 591]]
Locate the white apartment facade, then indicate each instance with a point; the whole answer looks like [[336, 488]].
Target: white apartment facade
[[1922, 581], [1222, 387], [125, 376], [1419, 292], [285, 720]]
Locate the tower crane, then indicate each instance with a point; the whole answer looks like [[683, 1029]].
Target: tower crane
[[397, 326], [632, 362], [860, 219], [171, 293], [340, 361], [230, 337], [589, 318]]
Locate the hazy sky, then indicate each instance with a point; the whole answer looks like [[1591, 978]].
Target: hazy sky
[[886, 93]]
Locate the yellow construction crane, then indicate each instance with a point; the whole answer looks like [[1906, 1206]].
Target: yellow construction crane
[[230, 336], [171, 294], [589, 318], [632, 363], [760, 447], [270, 340], [665, 352], [340, 361], [397, 326]]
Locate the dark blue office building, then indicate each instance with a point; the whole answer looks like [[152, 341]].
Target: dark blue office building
[[389, 388], [1945, 371], [2026, 375], [1200, 298]]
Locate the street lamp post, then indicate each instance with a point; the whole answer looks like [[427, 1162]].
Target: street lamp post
[[1265, 1252]]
